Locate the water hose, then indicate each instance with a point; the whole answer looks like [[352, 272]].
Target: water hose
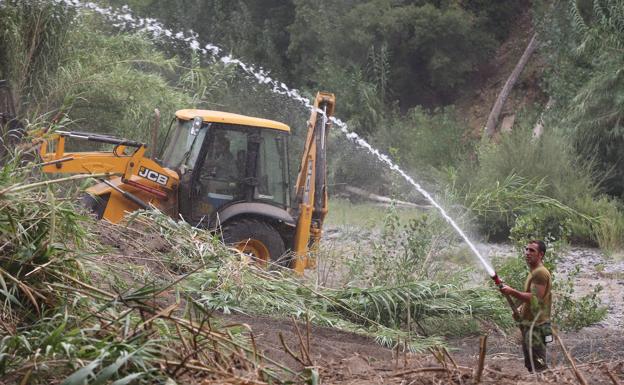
[[499, 283]]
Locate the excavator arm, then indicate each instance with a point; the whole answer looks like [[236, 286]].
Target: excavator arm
[[134, 181], [311, 187]]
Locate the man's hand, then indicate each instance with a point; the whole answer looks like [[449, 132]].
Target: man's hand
[[507, 290], [510, 291]]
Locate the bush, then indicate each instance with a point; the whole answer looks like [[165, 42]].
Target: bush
[[572, 313], [549, 224], [549, 160], [607, 231], [412, 246], [522, 179]]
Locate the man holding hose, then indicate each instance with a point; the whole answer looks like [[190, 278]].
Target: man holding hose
[[536, 299]]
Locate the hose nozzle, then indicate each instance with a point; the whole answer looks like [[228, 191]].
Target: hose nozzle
[[497, 281]]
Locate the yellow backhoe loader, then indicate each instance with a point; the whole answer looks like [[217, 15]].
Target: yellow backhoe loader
[[219, 171]]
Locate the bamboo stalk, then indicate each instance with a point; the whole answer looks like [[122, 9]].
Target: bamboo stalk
[[301, 346], [181, 336], [577, 373], [304, 353], [308, 332], [87, 286], [163, 312], [439, 356], [21, 187], [482, 351], [448, 354]]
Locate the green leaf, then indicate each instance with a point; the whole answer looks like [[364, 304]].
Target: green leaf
[[10, 297], [53, 338], [128, 379], [81, 376], [111, 369]]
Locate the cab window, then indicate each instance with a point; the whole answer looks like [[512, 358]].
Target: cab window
[[272, 168]]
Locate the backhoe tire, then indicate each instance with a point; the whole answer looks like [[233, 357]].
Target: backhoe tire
[[256, 238]]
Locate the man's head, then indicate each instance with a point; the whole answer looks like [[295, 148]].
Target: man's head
[[534, 252], [222, 142]]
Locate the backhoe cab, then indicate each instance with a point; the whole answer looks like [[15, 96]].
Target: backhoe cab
[[218, 171]]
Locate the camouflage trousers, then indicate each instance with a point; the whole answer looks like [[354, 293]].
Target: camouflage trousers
[[534, 346]]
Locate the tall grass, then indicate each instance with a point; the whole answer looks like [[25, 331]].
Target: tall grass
[[523, 176], [32, 41], [61, 63]]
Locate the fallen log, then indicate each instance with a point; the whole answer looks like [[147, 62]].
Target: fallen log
[[382, 199]]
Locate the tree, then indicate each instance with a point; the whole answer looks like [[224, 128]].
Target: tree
[[596, 109]]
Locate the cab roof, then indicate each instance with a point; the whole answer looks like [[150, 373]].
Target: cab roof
[[210, 116]]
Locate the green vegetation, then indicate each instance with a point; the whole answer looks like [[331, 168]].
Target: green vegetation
[[382, 312], [82, 314], [585, 45], [397, 67], [63, 323]]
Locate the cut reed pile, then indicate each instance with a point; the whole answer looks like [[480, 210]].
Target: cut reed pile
[[60, 324]]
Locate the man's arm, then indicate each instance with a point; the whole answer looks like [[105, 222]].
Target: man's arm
[[524, 296]]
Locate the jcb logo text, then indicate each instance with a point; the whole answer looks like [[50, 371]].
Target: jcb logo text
[[153, 176]]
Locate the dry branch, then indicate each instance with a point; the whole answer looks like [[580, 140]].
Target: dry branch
[[21, 187], [612, 377], [289, 351], [419, 370], [305, 350]]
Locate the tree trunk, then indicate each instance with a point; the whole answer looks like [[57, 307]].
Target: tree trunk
[[490, 127]]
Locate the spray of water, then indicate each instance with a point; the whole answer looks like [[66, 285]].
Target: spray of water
[[124, 19], [393, 166]]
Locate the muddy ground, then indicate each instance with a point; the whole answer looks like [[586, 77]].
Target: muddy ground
[[346, 358]]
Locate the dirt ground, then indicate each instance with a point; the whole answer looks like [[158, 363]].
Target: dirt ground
[[345, 358]]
